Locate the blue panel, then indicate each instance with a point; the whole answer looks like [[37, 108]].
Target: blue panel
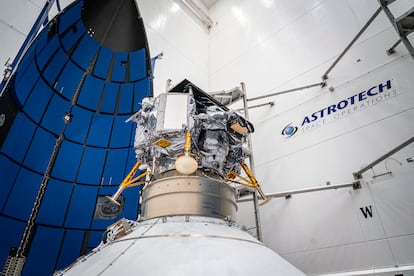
[[71, 248], [121, 132], [53, 119], [100, 130], [69, 16], [55, 202], [72, 35], [23, 195], [115, 166], [85, 51], [40, 150], [44, 56], [92, 165], [25, 63], [119, 67], [131, 202], [125, 99], [8, 171], [47, 242], [132, 136], [38, 101], [101, 224], [55, 67], [138, 65], [69, 80], [141, 90], [19, 137], [11, 233], [23, 88], [67, 170], [95, 237], [78, 128], [109, 98], [91, 92], [131, 161], [103, 63], [82, 207], [41, 40]]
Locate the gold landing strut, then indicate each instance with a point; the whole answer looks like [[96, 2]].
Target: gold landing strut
[[129, 181], [251, 182]]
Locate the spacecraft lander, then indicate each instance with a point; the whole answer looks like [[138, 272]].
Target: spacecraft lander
[[190, 156]]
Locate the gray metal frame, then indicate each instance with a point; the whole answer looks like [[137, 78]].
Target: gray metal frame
[[252, 167], [403, 25]]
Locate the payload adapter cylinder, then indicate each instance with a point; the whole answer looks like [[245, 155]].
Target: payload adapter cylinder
[[186, 226]]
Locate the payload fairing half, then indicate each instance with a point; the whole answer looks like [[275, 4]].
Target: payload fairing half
[[64, 144]]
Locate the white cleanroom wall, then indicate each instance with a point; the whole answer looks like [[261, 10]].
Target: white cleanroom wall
[[365, 110], [182, 40]]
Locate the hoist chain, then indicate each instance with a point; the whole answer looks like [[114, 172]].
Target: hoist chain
[[21, 251], [28, 231]]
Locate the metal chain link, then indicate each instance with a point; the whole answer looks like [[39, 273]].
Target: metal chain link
[[27, 234], [35, 210]]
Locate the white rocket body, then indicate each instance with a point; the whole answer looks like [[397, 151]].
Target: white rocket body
[[184, 246]]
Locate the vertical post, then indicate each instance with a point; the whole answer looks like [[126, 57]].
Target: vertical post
[[252, 168]]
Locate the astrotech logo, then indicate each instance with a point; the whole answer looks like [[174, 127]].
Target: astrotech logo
[[289, 130], [346, 106]]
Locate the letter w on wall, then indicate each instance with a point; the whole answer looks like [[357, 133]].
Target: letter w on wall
[[366, 211]]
